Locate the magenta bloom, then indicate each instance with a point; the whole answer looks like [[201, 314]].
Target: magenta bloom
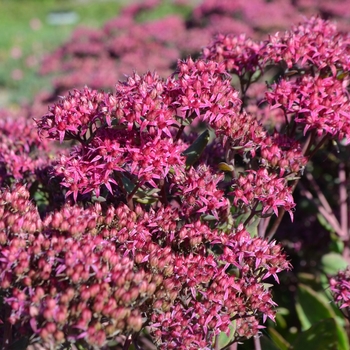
[[314, 42], [317, 103], [340, 288]]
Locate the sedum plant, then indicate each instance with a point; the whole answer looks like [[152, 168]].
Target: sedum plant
[[154, 226]]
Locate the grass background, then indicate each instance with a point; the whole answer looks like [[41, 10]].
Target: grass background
[[26, 36]]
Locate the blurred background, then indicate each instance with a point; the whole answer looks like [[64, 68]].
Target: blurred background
[[33, 30], [50, 46], [30, 29]]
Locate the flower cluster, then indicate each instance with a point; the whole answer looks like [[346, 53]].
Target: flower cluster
[[318, 103], [148, 112], [149, 239], [61, 279], [257, 187], [313, 91], [98, 274], [134, 147], [340, 288], [203, 90], [198, 192], [21, 150], [240, 54], [161, 184], [283, 155], [315, 43], [74, 116], [223, 299]]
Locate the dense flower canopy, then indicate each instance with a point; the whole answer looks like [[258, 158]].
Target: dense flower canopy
[[139, 215]]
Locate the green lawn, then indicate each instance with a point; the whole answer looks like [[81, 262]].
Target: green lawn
[[26, 35]]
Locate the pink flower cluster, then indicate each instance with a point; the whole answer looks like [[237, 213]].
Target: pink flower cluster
[[149, 235], [340, 288], [98, 273], [312, 88], [131, 142], [149, 240], [314, 91], [22, 151], [199, 193], [318, 103], [314, 43], [261, 187], [239, 53], [61, 279], [76, 116]]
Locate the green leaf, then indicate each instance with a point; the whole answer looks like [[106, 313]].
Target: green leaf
[[278, 339], [193, 152], [209, 217], [280, 319], [99, 199], [321, 336], [307, 278], [268, 344], [252, 228], [127, 183], [147, 196], [312, 306], [336, 245], [343, 339], [225, 339], [332, 263], [322, 220]]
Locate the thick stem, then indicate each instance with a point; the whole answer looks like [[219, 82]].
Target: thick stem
[[163, 193], [257, 344], [137, 186], [134, 342], [329, 216], [127, 343], [318, 146], [234, 346], [343, 201], [281, 212], [263, 224], [319, 193], [130, 202], [179, 132], [252, 213], [309, 142]]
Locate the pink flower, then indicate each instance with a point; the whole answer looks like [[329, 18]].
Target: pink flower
[[260, 187], [317, 103], [162, 248], [340, 288], [197, 191], [115, 269], [240, 54], [75, 116], [21, 150], [315, 42]]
